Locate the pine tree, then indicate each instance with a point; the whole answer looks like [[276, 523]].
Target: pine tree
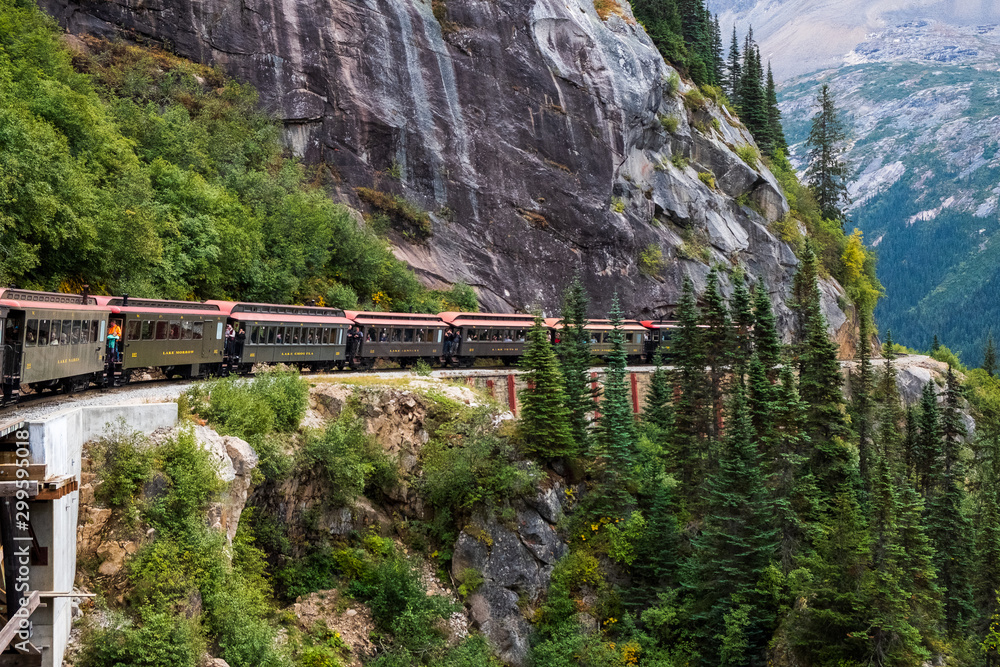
[[827, 172], [862, 386], [805, 293], [718, 55], [819, 370], [766, 343], [990, 356], [948, 526], [574, 360], [777, 133], [658, 410], [795, 493], [545, 420], [986, 583], [935, 344], [718, 348], [616, 425], [910, 447], [893, 638], [691, 411], [737, 542], [735, 71], [926, 441], [753, 102], [917, 573], [743, 326], [761, 403]]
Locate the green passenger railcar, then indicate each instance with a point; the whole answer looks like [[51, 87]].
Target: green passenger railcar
[[50, 341], [310, 337], [182, 338]]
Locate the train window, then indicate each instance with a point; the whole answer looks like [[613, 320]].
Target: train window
[[340, 336], [67, 331], [407, 335], [161, 329], [31, 336], [53, 334], [133, 330], [438, 333], [508, 337], [471, 335], [218, 330], [293, 335], [254, 336], [270, 336], [313, 336], [520, 336], [186, 329], [74, 333], [326, 335], [198, 330], [397, 335], [175, 330], [147, 329]]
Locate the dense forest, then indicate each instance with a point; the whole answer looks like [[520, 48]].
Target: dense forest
[[751, 515]]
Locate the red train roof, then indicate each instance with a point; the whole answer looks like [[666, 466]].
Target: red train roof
[[370, 318], [598, 325], [488, 319], [288, 319]]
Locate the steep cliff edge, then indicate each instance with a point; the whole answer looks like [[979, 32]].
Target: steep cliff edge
[[535, 133]]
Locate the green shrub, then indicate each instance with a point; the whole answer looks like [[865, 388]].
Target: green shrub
[[694, 100], [395, 170], [422, 368], [679, 161], [707, 178], [159, 640], [124, 464], [192, 482], [470, 579], [694, 246], [461, 298], [348, 458], [670, 123], [470, 465], [946, 356], [749, 154], [617, 205], [624, 537], [274, 400], [713, 93], [651, 260], [672, 84], [410, 217]]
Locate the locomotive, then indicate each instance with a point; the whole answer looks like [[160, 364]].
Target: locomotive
[[66, 342]]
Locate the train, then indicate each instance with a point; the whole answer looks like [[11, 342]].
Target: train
[[57, 342]]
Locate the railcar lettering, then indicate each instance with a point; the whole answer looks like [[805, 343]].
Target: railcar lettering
[[68, 361], [170, 352]]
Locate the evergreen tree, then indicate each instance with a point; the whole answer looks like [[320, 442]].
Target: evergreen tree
[[862, 387], [926, 442], [990, 356], [718, 54], [737, 542], [658, 409], [893, 638], [761, 403], [827, 172], [819, 370], [890, 410], [910, 447], [545, 420], [574, 359], [616, 425], [796, 496], [662, 20], [935, 344], [735, 71], [743, 326], [917, 573], [753, 102], [766, 343], [691, 411], [986, 583], [718, 348], [805, 293], [775, 130], [948, 526]]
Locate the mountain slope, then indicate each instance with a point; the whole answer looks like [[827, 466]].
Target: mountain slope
[[533, 133], [921, 102]]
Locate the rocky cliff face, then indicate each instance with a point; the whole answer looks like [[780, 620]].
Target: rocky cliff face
[[533, 132]]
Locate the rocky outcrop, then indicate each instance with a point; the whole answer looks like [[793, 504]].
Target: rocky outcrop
[[541, 138], [107, 541], [516, 564]]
